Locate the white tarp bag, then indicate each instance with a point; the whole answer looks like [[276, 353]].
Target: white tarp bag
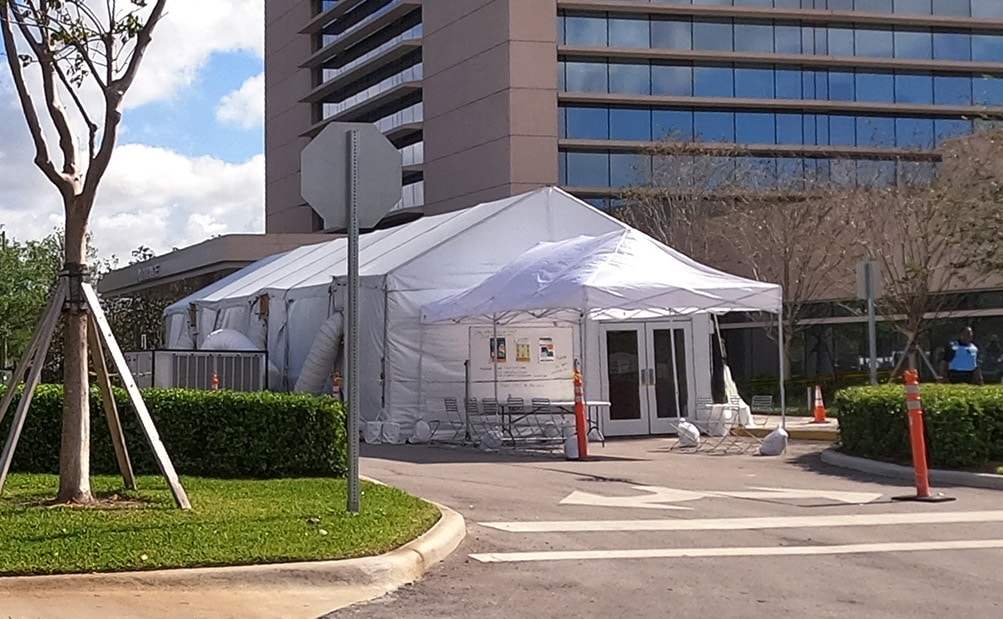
[[372, 432], [390, 432], [571, 447], [688, 434], [774, 444], [422, 432]]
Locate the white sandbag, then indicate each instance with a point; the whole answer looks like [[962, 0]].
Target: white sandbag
[[390, 433], [689, 434], [774, 444], [372, 432], [571, 447], [422, 432]]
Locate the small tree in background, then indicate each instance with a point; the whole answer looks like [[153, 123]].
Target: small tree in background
[[75, 49], [723, 206]]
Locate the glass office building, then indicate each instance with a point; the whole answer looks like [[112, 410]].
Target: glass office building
[[828, 84]]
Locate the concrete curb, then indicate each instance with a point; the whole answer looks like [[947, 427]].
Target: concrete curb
[[796, 434], [937, 477], [381, 574]]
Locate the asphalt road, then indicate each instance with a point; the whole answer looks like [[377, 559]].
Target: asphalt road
[[821, 553]]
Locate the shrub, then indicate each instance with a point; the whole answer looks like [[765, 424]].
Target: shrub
[[206, 433], [964, 423]]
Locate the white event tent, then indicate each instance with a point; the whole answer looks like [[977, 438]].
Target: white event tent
[[286, 304], [620, 275]]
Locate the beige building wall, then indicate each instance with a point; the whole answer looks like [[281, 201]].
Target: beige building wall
[[286, 117], [490, 99]]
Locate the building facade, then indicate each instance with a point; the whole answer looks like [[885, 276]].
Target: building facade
[[486, 98]]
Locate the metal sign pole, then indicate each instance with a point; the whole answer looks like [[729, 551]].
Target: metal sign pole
[[352, 345]]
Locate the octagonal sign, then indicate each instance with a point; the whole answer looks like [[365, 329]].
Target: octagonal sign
[[326, 167]]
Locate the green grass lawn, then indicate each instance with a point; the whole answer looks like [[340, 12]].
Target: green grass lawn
[[232, 522]]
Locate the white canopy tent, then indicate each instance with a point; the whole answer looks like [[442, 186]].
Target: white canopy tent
[[621, 274]]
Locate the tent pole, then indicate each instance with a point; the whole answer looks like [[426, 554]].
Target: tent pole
[[494, 337], [780, 351]]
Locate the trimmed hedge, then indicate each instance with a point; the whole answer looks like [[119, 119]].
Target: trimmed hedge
[[964, 424], [226, 434]]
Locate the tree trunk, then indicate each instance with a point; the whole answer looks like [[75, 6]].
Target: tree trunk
[[74, 455]]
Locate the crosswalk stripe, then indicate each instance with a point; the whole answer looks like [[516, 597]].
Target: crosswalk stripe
[[752, 551], [736, 524]]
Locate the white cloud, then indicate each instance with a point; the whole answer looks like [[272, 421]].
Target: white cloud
[[189, 33], [244, 107]]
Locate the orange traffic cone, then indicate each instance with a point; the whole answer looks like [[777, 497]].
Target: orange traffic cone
[[819, 406]]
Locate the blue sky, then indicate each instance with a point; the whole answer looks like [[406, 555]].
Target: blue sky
[[189, 164]]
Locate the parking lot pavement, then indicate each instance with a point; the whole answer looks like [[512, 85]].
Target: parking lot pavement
[[644, 531]]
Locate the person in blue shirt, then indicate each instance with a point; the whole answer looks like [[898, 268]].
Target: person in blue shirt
[[961, 360]]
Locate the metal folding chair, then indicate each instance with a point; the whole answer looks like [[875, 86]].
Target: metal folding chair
[[486, 418], [551, 421], [762, 404], [519, 424], [455, 419], [736, 429]]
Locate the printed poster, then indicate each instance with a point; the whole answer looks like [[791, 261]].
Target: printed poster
[[522, 351], [498, 354], [546, 350]]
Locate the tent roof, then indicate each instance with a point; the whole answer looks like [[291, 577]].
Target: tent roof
[[622, 270], [380, 252]]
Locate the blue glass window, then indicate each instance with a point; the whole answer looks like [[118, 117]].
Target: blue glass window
[[836, 5], [916, 7], [787, 39], [788, 84], [987, 90], [952, 90], [790, 129], [672, 125], [754, 83], [841, 86], [712, 36], [842, 130], [587, 123], [876, 43], [562, 168], [917, 45], [668, 80], [672, 34], [629, 33], [959, 8], [946, 129], [630, 79], [755, 128], [629, 169], [876, 131], [588, 169], [987, 8], [875, 87], [590, 31], [952, 46], [754, 38], [873, 6], [987, 48], [587, 77], [713, 82], [840, 42], [630, 125], [714, 126], [914, 89], [914, 132]]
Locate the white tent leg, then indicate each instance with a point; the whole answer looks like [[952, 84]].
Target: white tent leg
[[494, 366], [780, 351]]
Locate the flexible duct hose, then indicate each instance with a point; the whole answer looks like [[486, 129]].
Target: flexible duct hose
[[228, 339], [320, 361]]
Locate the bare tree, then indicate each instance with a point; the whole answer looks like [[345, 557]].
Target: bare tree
[[775, 222], [74, 48]]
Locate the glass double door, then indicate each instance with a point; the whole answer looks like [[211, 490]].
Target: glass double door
[[648, 382]]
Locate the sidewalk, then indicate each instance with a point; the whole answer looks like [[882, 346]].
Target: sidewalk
[[288, 590], [799, 428]]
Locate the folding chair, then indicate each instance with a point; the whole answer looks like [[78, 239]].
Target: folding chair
[[553, 424], [520, 419], [486, 418], [761, 404], [736, 428], [455, 419]]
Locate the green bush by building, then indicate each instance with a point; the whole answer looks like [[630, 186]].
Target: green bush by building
[[963, 423]]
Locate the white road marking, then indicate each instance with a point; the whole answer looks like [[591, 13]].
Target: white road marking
[[657, 496], [767, 551], [738, 524]]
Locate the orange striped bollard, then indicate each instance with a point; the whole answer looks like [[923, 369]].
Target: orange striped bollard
[[581, 427], [215, 381], [914, 408]]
